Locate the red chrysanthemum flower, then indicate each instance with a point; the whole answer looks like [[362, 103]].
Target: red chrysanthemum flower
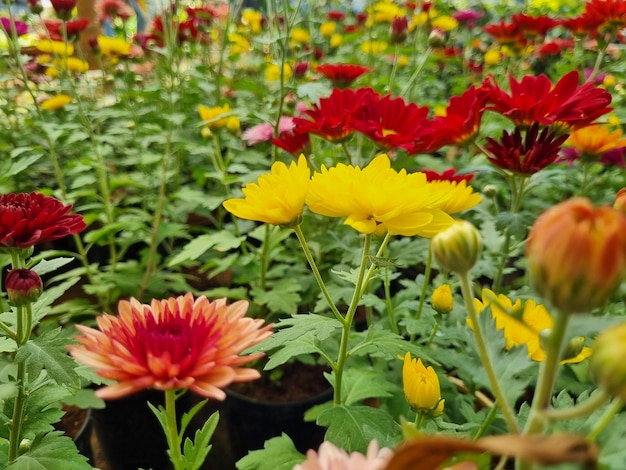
[[506, 33], [393, 123], [342, 75], [610, 15], [111, 9], [582, 25], [333, 118], [447, 175], [63, 6], [555, 47], [175, 343], [528, 154], [293, 142], [461, 123], [532, 26], [73, 27], [336, 15], [28, 219], [534, 100]]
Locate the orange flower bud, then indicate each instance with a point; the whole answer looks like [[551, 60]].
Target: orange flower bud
[[577, 254], [620, 201]]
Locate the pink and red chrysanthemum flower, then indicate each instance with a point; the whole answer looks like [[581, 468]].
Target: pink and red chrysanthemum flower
[[176, 343]]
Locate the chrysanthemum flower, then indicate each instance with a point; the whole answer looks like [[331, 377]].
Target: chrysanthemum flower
[[57, 48], [111, 9], [522, 324], [442, 300], [217, 117], [533, 26], [28, 219], [265, 131], [458, 194], [508, 34], [342, 75], [594, 141], [113, 46], [293, 142], [21, 28], [72, 28], [421, 386], [276, 198], [329, 457], [378, 198], [56, 102], [448, 175], [525, 155], [174, 343], [534, 100]]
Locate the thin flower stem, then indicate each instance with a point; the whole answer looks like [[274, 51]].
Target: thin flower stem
[[18, 413], [491, 415], [171, 432], [342, 355], [344, 146], [605, 419], [506, 410], [388, 303], [580, 410], [427, 271], [316, 273], [419, 420]]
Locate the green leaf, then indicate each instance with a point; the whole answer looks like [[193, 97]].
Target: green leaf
[[47, 266], [282, 297], [194, 453], [48, 352], [221, 241], [352, 428], [385, 343], [51, 452], [305, 344], [43, 407], [299, 325], [279, 453], [359, 384]]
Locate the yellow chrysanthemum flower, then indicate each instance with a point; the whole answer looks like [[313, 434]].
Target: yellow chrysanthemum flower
[[444, 23], [56, 102], [492, 57], [594, 141], [459, 195], [299, 37], [385, 12], [272, 72], [113, 46], [421, 386], [238, 44], [378, 198], [218, 117], [328, 28], [252, 19], [442, 300], [57, 48], [276, 198], [522, 324], [336, 40], [373, 47]]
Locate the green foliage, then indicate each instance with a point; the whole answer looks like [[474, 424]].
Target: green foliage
[[278, 453], [50, 452]]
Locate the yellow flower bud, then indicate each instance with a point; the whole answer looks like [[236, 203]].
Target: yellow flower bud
[[442, 300], [492, 57], [607, 361], [577, 254], [458, 247], [421, 386]]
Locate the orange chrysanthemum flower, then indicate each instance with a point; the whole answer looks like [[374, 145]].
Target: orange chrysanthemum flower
[[594, 141], [174, 343]]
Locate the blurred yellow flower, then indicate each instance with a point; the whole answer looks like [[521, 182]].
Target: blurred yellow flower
[[402, 60], [215, 117], [113, 46], [299, 36], [385, 12], [276, 198], [421, 386], [522, 324], [594, 141], [377, 199], [252, 19], [444, 23], [492, 57], [71, 64], [57, 48], [238, 44], [373, 47], [328, 28], [56, 102], [442, 300], [336, 40], [272, 72]]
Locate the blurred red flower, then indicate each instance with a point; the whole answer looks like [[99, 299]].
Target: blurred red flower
[[342, 75]]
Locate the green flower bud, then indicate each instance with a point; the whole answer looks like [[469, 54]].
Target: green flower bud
[[607, 361], [458, 247]]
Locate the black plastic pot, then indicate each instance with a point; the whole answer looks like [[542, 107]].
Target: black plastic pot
[[251, 422]]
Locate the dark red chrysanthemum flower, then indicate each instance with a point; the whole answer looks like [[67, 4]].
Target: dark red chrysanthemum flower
[[28, 219], [534, 100], [528, 154], [393, 123], [293, 142], [582, 25], [176, 343], [448, 175], [63, 8], [333, 117], [532, 26], [335, 15], [554, 47], [73, 27], [23, 286], [462, 120], [342, 75]]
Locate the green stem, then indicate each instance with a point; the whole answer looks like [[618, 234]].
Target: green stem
[[316, 273], [171, 431], [580, 410], [419, 420], [506, 410], [491, 415], [346, 150], [18, 412], [427, 271], [389, 304], [605, 419], [342, 355]]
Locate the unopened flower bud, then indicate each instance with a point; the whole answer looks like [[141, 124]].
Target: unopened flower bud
[[421, 387], [458, 247], [577, 254], [607, 361], [399, 28], [490, 190], [63, 8], [23, 286], [442, 300], [620, 201], [573, 348], [437, 38], [35, 6]]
